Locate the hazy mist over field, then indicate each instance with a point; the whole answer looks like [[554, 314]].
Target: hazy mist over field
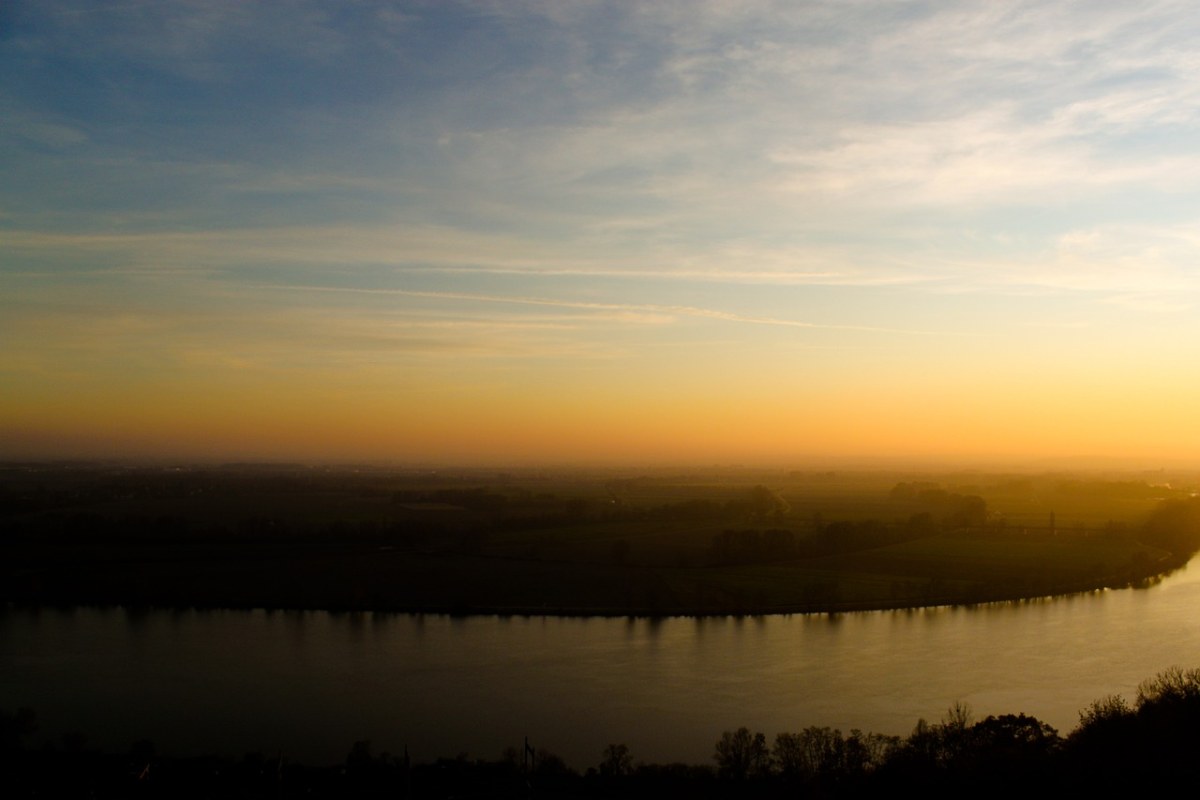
[[566, 232]]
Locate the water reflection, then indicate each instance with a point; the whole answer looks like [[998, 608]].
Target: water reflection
[[311, 683]]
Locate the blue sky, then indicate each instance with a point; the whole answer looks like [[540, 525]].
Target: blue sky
[[619, 200]]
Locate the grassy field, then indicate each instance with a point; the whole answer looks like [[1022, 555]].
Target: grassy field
[[601, 542]]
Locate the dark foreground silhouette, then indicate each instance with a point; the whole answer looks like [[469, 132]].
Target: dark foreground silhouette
[[1118, 748]]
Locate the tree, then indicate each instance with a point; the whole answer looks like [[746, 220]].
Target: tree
[[741, 755], [1175, 525], [812, 752], [616, 761], [942, 744], [866, 752], [1105, 711], [1173, 686], [1013, 737], [789, 756], [767, 503]]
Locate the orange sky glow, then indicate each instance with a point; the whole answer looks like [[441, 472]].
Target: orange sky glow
[[778, 233]]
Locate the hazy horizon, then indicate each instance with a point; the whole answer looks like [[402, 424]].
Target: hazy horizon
[[600, 233], [482, 468]]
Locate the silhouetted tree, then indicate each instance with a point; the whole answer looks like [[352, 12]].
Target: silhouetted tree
[[954, 731], [1171, 687], [1152, 745], [1105, 710], [866, 752], [616, 761], [1009, 750], [766, 503], [812, 752], [1175, 525], [550, 764], [740, 754]]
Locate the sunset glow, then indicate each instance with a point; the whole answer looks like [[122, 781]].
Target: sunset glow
[[598, 233]]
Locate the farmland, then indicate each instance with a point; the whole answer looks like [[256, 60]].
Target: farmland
[[701, 541]]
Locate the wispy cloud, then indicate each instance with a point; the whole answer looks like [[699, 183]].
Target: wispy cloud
[[659, 313], [447, 251], [195, 190]]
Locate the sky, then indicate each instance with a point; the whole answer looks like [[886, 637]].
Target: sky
[[589, 232]]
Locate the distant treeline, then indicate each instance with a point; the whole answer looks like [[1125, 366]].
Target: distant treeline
[[293, 537], [1175, 526], [1118, 749]]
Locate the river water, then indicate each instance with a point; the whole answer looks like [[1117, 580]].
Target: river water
[[310, 684]]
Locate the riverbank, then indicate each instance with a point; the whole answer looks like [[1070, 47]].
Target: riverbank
[[292, 538], [358, 576]]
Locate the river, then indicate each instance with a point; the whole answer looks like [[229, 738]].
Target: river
[[309, 684]]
